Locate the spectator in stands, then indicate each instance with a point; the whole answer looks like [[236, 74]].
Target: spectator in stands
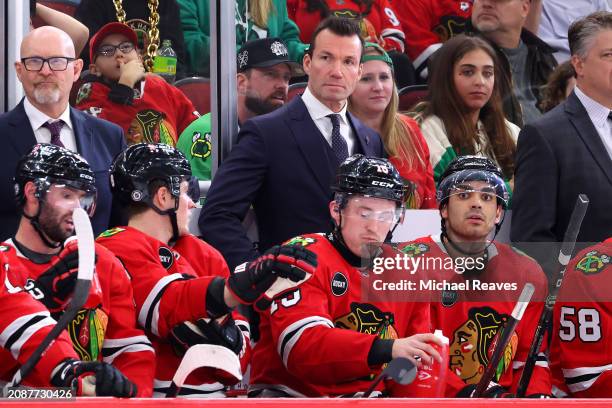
[[285, 161], [464, 113], [560, 85], [254, 19], [47, 69], [117, 89], [428, 24], [550, 19], [569, 150], [264, 71], [377, 20], [71, 26], [525, 60], [142, 17], [375, 102]]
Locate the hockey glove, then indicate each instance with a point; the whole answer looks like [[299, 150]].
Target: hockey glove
[[54, 286], [109, 381], [278, 270], [206, 331]]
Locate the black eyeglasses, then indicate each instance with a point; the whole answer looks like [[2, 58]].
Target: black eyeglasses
[[55, 63], [108, 50]]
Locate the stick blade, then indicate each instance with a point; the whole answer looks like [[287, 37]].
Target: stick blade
[[85, 239]]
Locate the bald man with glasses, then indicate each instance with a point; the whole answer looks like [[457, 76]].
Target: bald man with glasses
[[47, 68]]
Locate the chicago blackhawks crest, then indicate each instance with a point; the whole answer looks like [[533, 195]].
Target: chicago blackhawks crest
[[593, 262]]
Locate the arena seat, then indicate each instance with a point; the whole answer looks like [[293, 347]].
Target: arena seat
[[197, 89], [411, 95], [296, 89]]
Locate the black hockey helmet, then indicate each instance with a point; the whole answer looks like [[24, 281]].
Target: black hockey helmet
[[464, 169], [135, 168], [47, 164], [371, 177]]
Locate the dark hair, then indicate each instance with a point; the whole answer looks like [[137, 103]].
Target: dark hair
[[343, 27], [322, 7], [581, 31], [445, 102], [553, 93]]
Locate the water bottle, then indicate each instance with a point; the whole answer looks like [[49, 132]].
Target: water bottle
[[430, 381], [164, 63]]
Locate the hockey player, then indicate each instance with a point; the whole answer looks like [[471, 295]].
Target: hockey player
[[581, 361], [472, 198], [24, 323], [50, 181], [325, 338], [181, 287]]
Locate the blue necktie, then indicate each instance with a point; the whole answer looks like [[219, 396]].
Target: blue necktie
[[339, 145]]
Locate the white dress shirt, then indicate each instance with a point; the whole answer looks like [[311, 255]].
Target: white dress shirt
[[599, 116], [318, 112], [42, 134]]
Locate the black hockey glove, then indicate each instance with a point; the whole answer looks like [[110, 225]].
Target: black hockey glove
[[278, 270], [54, 286], [110, 382], [188, 334], [494, 390]]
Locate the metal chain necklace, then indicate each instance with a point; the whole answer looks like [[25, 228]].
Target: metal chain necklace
[[153, 29]]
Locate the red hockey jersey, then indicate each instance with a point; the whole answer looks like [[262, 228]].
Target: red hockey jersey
[[24, 323], [581, 357], [428, 24], [380, 25], [315, 341], [158, 114], [166, 294], [105, 328], [470, 311]]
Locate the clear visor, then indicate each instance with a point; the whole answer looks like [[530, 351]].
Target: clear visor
[[466, 191], [67, 197], [370, 209], [472, 181]]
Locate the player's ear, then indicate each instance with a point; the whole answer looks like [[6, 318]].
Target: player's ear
[[334, 211], [498, 214]]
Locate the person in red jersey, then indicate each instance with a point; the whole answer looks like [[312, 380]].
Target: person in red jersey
[[479, 281], [183, 290], [581, 360], [50, 182], [326, 337]]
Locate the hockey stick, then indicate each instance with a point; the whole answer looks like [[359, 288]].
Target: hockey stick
[[565, 254], [401, 370], [204, 355], [84, 235], [504, 339]]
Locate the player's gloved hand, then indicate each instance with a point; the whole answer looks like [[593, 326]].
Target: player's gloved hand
[[278, 270], [224, 333], [109, 381], [493, 390], [54, 286]]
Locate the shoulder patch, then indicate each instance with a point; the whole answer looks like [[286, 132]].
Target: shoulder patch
[[166, 257], [593, 262], [111, 232], [339, 284], [4, 248], [415, 249], [301, 241]]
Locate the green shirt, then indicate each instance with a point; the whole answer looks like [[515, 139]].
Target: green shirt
[[195, 18], [196, 143]]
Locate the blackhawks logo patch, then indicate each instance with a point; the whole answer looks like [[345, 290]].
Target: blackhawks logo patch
[[301, 241], [593, 262], [415, 249], [111, 232], [4, 248]]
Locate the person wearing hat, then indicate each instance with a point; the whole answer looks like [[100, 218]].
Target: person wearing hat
[[375, 102], [284, 161], [146, 107]]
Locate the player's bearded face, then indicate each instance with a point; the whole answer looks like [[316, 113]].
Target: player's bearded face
[[56, 211]]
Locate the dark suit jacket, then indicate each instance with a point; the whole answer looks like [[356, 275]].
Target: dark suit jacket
[[558, 157], [98, 141], [283, 166]]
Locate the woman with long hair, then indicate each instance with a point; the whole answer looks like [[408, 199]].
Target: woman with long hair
[[464, 113], [375, 102]]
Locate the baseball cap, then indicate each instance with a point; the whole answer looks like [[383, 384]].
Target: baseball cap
[[265, 52], [105, 31]]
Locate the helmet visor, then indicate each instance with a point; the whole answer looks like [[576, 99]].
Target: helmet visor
[[364, 210], [462, 182], [69, 195]]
